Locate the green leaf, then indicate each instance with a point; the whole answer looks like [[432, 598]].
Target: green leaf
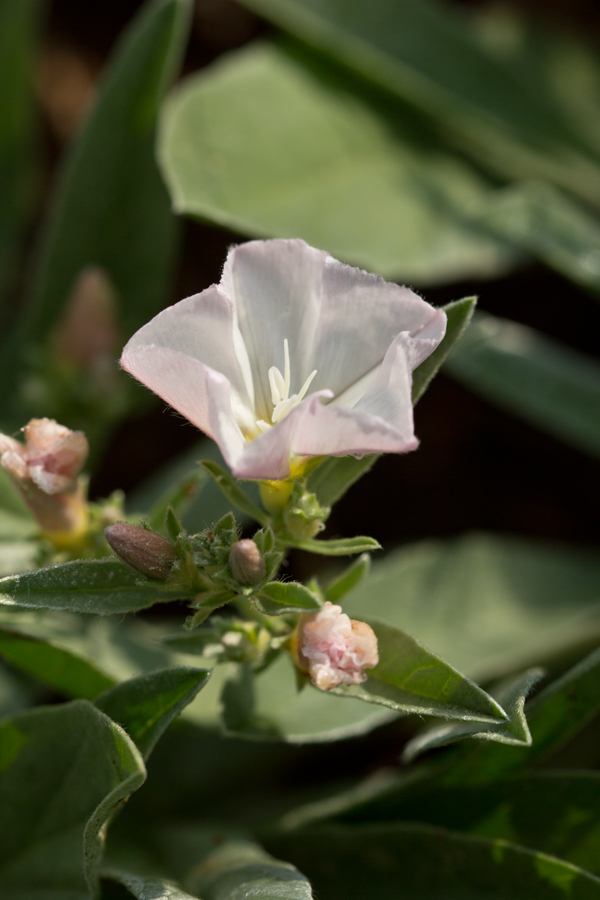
[[103, 587], [279, 597], [556, 714], [523, 599], [511, 695], [539, 379], [419, 862], [145, 888], [302, 154], [411, 679], [268, 706], [83, 767], [538, 218], [337, 546], [234, 493], [18, 31], [146, 706], [111, 208], [424, 52], [61, 670], [350, 578], [240, 869], [459, 313], [552, 811]]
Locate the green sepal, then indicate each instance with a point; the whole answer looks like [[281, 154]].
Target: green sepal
[[173, 525], [280, 597], [234, 493]]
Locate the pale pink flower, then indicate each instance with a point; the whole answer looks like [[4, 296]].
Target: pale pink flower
[[335, 649], [45, 469], [292, 354]]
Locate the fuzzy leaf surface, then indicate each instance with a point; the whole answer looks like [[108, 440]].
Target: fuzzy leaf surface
[[102, 587]]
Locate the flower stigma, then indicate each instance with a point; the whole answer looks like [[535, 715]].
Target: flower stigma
[[280, 391]]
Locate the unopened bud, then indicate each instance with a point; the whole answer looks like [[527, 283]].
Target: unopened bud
[[45, 470], [247, 563], [147, 552], [88, 334], [334, 649]]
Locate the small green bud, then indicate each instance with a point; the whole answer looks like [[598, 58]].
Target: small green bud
[[247, 563], [303, 516], [145, 551]]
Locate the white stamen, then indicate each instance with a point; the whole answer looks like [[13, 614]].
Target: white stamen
[[280, 391], [277, 384]]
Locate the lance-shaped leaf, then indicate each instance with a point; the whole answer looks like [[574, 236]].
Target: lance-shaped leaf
[[551, 226], [146, 706], [111, 176], [420, 862], [539, 379], [102, 587], [411, 679], [554, 715], [241, 869], [63, 671], [178, 497], [334, 477], [234, 493], [511, 695], [280, 597], [83, 767], [459, 314], [348, 580]]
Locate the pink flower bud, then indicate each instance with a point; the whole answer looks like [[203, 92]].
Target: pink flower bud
[[45, 469], [88, 333], [247, 563], [145, 551], [335, 649]]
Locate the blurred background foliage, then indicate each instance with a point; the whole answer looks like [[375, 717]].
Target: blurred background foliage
[[453, 146]]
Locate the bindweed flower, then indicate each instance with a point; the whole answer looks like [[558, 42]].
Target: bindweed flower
[[334, 649], [291, 355], [45, 470], [147, 552]]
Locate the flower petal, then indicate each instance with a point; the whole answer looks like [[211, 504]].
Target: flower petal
[[361, 314], [276, 287], [196, 391], [201, 327], [332, 430]]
